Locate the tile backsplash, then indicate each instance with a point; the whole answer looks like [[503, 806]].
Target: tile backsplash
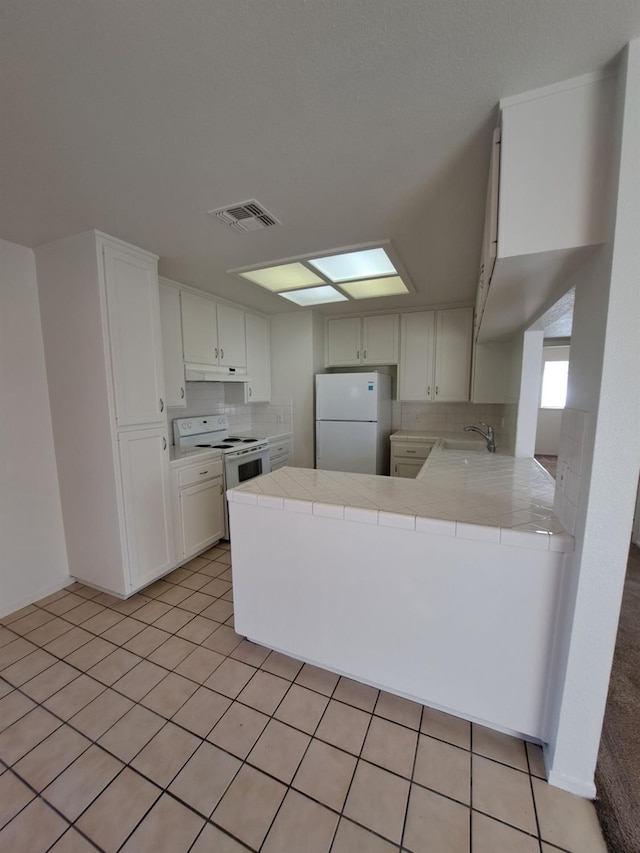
[[207, 398], [447, 416]]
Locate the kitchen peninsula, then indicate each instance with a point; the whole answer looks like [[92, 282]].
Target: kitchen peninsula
[[442, 589]]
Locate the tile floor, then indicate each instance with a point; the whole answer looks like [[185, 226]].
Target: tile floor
[[150, 725]]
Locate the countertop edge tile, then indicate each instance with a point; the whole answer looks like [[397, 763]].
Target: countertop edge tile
[[397, 519], [535, 539]]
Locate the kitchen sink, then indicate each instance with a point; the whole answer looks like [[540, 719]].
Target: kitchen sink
[[468, 444]]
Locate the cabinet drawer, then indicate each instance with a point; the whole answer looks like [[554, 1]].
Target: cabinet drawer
[[280, 448], [199, 473], [411, 450]]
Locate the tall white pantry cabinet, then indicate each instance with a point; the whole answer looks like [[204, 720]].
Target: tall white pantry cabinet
[[101, 328]]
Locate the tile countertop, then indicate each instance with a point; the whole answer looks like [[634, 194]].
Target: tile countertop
[[177, 457], [490, 497]]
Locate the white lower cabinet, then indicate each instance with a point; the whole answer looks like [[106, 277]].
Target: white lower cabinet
[[280, 453], [198, 507], [146, 498], [407, 458]]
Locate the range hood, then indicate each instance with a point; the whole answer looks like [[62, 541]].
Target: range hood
[[210, 373]]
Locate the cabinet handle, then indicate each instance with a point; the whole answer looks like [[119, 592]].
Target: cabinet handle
[[202, 473], [216, 352], [182, 393], [357, 354], [221, 353], [250, 391], [364, 354], [220, 488], [161, 404], [164, 443], [436, 390], [428, 390], [410, 451], [395, 470]]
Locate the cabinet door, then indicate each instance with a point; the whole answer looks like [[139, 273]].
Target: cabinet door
[[144, 469], [133, 311], [258, 359], [380, 337], [173, 362], [201, 516], [343, 342], [231, 337], [409, 470], [199, 329], [415, 372], [453, 354]]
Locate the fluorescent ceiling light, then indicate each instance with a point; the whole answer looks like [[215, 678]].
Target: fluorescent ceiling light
[[372, 287], [283, 277], [315, 296], [354, 265]]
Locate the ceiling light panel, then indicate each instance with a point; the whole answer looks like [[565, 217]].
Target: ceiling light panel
[[283, 277], [372, 287], [315, 296], [354, 265]]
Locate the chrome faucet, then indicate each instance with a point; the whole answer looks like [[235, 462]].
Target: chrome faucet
[[488, 436]]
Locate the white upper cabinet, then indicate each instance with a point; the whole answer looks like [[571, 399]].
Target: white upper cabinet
[[354, 341], [172, 357], [258, 359], [131, 284], [199, 329], [231, 337], [435, 355]]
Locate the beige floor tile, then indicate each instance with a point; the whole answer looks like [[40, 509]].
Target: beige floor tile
[[174, 595], [178, 575], [140, 680], [446, 727], [28, 667], [301, 824], [18, 614], [264, 794], [214, 840], [212, 553], [197, 603], [264, 692], [536, 760], [200, 664], [279, 750], [99, 715], [107, 600], [204, 779], [168, 826], [223, 640], [302, 708], [216, 588], [90, 653], [230, 677], [378, 799], [72, 842], [83, 612], [101, 622], [238, 730], [219, 611], [5, 688], [147, 641], [279, 664], [14, 796], [351, 838], [124, 631], [72, 698], [12, 707], [41, 766], [114, 814], [198, 629], [398, 710], [151, 611], [34, 829], [566, 820], [156, 589], [49, 681], [64, 603], [435, 823], [29, 623], [444, 768], [224, 559], [250, 653], [503, 793], [69, 642], [344, 726], [320, 680], [82, 781], [175, 619], [165, 754], [390, 746], [14, 651], [131, 605], [490, 836], [509, 750], [169, 695], [195, 581], [359, 695], [201, 712], [325, 774], [114, 666], [25, 733], [46, 633], [172, 652], [131, 732]]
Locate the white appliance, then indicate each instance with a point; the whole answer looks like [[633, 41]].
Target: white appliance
[[244, 457], [353, 422]]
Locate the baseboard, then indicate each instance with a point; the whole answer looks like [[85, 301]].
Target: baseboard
[[7, 609], [568, 783]]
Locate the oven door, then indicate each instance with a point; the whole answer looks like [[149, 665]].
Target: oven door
[[245, 466]]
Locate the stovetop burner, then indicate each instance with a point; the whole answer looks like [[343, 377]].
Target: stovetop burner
[[243, 440]]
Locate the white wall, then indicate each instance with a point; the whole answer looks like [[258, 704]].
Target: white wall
[[33, 557], [297, 354], [550, 420], [604, 384], [529, 396]]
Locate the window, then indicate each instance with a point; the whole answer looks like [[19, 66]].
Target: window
[[554, 385]]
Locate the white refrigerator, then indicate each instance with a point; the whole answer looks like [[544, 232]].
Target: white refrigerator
[[353, 422]]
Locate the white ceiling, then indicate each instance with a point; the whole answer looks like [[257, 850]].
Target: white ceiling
[[350, 120]]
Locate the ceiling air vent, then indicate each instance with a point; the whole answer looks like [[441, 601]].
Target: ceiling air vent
[[245, 216]]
